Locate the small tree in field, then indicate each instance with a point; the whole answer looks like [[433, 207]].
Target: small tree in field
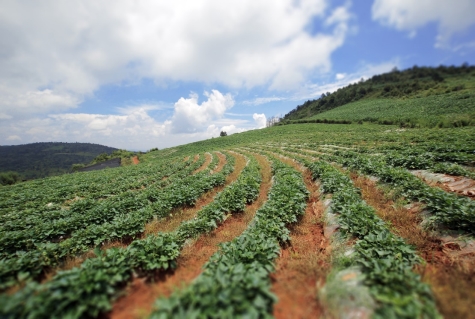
[[223, 133]]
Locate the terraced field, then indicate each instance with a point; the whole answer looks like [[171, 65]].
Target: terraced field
[[295, 221]]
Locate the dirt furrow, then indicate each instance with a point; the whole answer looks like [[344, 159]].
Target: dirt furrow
[[181, 214], [304, 264], [451, 279], [141, 294], [166, 224], [208, 160]]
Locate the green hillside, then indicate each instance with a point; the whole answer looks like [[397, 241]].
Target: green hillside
[[443, 96], [38, 160]]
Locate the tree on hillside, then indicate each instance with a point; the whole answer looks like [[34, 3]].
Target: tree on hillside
[[223, 133], [9, 178]]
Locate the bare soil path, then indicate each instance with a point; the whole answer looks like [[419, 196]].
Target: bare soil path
[[141, 295], [304, 264], [208, 160], [451, 279]]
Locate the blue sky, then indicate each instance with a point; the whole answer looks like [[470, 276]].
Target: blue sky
[[143, 74]]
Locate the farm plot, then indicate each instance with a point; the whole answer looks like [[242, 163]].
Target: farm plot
[[118, 217], [442, 267], [339, 234]]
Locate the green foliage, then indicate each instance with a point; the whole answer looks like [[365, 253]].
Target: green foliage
[[235, 281], [425, 97], [123, 154], [77, 167], [385, 259], [39, 160], [9, 178], [44, 221]]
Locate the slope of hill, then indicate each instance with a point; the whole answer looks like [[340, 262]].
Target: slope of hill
[[47, 159], [443, 96], [292, 221]]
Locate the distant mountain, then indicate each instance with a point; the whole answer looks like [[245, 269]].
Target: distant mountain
[[423, 96], [47, 159]]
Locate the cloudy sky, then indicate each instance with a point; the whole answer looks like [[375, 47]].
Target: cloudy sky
[[138, 74]]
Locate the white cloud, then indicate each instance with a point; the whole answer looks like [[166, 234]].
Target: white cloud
[[263, 100], [408, 15], [13, 138], [135, 128], [54, 54], [260, 120], [340, 76], [191, 117], [366, 71]]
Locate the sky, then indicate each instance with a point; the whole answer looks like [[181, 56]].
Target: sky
[[139, 74]]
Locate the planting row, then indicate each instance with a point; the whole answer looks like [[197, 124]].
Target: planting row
[[235, 282], [385, 259], [22, 265], [88, 290], [24, 233], [447, 210], [49, 197]]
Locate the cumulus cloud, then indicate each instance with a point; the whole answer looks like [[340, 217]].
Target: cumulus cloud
[[190, 116], [340, 76], [260, 120], [53, 55], [364, 72], [134, 128], [13, 138], [409, 15]]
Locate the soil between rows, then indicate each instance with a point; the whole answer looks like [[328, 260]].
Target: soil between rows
[[141, 295], [303, 265], [208, 160], [451, 279]]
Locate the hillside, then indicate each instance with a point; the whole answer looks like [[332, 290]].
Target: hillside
[[292, 221], [47, 159], [420, 96]]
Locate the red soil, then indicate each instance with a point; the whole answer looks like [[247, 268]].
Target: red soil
[[208, 160], [304, 265], [451, 278], [135, 160], [140, 295]]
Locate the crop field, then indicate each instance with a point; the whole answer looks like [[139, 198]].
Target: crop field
[[429, 110], [294, 221]]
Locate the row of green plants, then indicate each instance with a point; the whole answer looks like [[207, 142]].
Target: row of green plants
[[61, 221], [50, 194], [88, 290], [448, 161], [20, 265], [23, 234], [384, 258], [235, 281], [447, 210], [417, 157]]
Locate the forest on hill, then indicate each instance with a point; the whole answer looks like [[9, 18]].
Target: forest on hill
[[38, 160], [444, 97]]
